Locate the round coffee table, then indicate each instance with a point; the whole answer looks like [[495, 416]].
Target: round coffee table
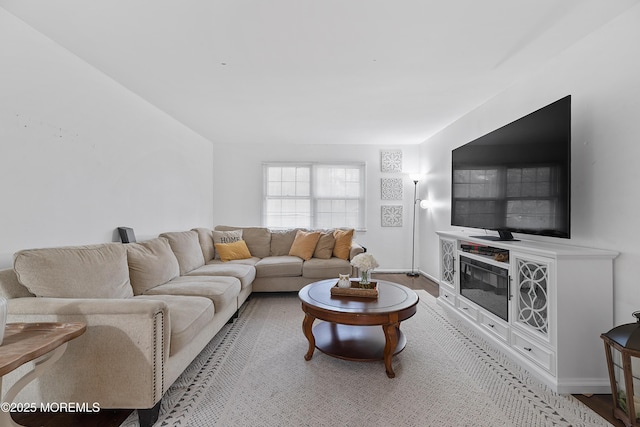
[[351, 329]]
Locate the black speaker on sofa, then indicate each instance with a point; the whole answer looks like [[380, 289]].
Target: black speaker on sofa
[[127, 235]]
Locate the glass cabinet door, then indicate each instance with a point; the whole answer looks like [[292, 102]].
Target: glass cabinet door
[[531, 295], [447, 262]]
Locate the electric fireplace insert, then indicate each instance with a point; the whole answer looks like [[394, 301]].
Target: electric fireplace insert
[[486, 285]]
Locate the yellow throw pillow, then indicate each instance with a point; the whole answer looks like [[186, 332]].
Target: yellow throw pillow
[[342, 248], [231, 251], [304, 244]]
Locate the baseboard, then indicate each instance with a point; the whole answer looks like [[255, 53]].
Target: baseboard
[[584, 386], [390, 271], [430, 277]]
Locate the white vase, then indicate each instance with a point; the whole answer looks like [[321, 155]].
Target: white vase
[[3, 317]]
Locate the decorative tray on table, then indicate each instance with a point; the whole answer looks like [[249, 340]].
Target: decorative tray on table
[[357, 290]]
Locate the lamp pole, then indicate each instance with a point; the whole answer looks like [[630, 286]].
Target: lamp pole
[[413, 241]]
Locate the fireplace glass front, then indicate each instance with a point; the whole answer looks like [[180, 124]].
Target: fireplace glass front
[[486, 285]]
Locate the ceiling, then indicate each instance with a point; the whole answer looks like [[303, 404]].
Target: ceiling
[[316, 72]]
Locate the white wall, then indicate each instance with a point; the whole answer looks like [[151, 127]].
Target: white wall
[[80, 155], [601, 73], [238, 191]]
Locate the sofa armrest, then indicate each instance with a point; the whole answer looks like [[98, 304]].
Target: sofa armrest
[[126, 342], [356, 249], [31, 306]]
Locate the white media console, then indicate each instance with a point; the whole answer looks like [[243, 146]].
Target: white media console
[[545, 305]]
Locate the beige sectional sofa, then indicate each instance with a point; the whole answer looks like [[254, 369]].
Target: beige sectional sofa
[[275, 269], [151, 307]]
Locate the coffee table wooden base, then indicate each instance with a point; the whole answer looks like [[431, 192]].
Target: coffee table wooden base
[[351, 327], [359, 343]]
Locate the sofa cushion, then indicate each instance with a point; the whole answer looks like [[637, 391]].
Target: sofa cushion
[[151, 263], [258, 239], [186, 247], [324, 248], [317, 268], [92, 271], [243, 272], [205, 238], [232, 251], [342, 247], [247, 261], [222, 291], [281, 241], [304, 244], [188, 315], [279, 266]]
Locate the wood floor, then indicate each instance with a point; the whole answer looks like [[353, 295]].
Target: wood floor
[[600, 403]]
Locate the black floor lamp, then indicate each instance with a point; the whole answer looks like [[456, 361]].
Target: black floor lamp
[[413, 241]]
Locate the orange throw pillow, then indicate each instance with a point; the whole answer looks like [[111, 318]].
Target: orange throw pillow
[[304, 244], [342, 248]]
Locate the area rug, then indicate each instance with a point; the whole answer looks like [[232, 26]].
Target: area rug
[[253, 373]]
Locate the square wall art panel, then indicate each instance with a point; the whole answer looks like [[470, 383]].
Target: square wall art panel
[[392, 216], [391, 188], [391, 161]]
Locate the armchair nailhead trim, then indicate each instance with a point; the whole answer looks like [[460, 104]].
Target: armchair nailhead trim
[[155, 353]]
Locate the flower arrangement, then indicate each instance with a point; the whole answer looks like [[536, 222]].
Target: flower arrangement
[[365, 263]]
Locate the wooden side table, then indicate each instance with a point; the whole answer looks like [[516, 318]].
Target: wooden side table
[[23, 342]]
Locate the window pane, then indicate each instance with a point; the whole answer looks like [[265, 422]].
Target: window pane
[[303, 174], [288, 205], [352, 206], [337, 218], [273, 220], [353, 175], [288, 188], [274, 205], [303, 189], [324, 183], [289, 174], [303, 206], [339, 183], [351, 220], [275, 174], [323, 206], [338, 206], [352, 189], [274, 189], [323, 220]]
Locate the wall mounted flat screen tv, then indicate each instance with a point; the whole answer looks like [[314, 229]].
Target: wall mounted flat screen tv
[[516, 179]]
